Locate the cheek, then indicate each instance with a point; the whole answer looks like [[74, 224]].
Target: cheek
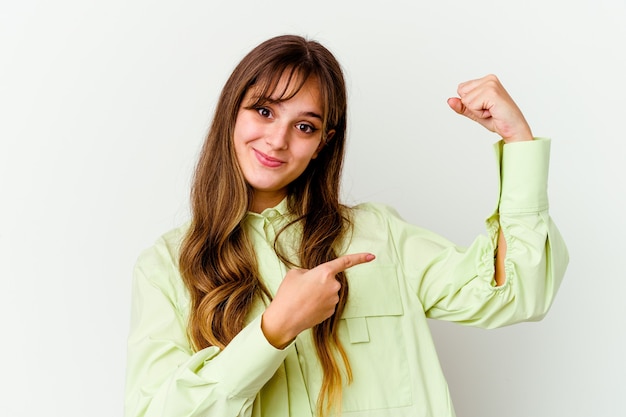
[[307, 151], [245, 130]]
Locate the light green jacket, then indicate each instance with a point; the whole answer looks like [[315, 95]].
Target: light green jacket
[[416, 275]]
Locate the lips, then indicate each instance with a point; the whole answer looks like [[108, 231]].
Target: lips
[[267, 160]]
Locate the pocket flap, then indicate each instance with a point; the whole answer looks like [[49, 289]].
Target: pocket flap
[[374, 291]]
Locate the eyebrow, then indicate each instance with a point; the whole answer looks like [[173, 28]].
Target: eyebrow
[[280, 104], [311, 114]]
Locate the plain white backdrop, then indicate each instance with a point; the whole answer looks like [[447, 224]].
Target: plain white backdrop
[[103, 108]]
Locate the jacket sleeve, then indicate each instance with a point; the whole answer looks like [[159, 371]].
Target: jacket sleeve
[[457, 284], [164, 376]]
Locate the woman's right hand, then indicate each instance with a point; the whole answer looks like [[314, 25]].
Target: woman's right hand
[[305, 298]]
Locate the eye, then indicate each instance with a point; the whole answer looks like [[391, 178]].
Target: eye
[[264, 112], [305, 128]]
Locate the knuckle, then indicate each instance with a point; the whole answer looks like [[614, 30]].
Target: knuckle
[[326, 270], [493, 82]]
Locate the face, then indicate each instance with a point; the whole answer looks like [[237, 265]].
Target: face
[[275, 142]]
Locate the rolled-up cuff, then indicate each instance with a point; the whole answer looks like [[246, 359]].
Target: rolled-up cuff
[[524, 176]]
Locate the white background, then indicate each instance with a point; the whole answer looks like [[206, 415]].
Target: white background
[[103, 108]]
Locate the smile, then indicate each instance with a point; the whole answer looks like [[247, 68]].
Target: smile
[[267, 160]]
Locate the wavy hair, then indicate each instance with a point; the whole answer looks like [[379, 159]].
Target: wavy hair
[[217, 261]]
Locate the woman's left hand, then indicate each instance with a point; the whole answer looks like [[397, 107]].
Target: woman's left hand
[[485, 101]]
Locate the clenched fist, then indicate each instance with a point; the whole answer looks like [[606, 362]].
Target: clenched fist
[[485, 101]]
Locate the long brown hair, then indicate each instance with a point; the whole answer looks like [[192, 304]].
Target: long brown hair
[[217, 261]]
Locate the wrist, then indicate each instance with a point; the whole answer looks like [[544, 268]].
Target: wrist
[[523, 135], [276, 333], [514, 139]]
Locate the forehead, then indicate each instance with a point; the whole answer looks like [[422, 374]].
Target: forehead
[[284, 87]]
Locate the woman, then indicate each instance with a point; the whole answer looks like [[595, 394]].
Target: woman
[[270, 303]]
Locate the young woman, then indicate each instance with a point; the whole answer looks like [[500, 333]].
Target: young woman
[[277, 300]]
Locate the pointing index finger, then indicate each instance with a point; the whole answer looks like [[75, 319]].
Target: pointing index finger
[[347, 261]]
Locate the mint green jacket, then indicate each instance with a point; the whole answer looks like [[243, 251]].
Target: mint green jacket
[[416, 275]]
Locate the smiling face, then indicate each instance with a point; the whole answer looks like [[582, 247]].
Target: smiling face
[[275, 140]]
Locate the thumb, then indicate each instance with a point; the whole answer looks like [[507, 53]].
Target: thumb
[[456, 105], [481, 116]]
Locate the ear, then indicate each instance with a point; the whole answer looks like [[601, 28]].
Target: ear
[[323, 142]]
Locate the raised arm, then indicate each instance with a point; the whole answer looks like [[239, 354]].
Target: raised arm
[[485, 101]]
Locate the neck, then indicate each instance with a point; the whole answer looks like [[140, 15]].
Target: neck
[[264, 200]]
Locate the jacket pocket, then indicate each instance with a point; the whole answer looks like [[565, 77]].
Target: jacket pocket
[[371, 332]]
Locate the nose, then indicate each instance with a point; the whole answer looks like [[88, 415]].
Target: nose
[[277, 136]]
